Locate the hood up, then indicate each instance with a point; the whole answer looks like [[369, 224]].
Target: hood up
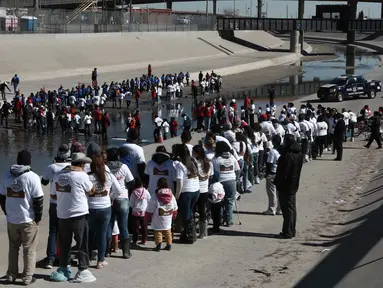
[[160, 157], [17, 170], [164, 195], [294, 148]]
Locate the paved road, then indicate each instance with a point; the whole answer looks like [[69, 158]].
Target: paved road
[[236, 258]]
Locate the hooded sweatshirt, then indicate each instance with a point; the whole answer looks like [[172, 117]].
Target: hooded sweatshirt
[[20, 186], [289, 169], [160, 166], [139, 201], [163, 208]]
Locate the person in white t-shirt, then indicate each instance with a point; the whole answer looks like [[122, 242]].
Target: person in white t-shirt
[[87, 123], [187, 189], [120, 208], [133, 155], [162, 209], [61, 161], [346, 118], [160, 166], [322, 134], [72, 185], [106, 187], [352, 123], [271, 170], [226, 171], [186, 137], [21, 199], [128, 97], [205, 172]]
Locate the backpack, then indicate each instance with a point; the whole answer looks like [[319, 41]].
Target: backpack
[[216, 193]]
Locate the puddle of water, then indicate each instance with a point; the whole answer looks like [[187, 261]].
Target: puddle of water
[[315, 73]]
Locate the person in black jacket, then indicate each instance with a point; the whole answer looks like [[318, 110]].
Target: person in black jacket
[[287, 183], [339, 130], [375, 131]]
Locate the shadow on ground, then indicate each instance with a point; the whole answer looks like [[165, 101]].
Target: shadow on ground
[[350, 246]]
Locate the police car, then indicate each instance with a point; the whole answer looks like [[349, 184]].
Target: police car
[[349, 87]]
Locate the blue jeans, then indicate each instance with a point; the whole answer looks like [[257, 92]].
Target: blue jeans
[[120, 212], [187, 203], [98, 221], [230, 188], [53, 231], [255, 164]]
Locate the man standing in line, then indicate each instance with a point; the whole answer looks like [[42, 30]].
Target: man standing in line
[[339, 130], [21, 199], [287, 183], [375, 131], [4, 85], [15, 83]]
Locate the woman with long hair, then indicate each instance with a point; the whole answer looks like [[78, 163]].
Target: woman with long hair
[[205, 171], [226, 171], [187, 191], [106, 188]]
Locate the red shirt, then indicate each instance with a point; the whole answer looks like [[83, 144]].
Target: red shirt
[[173, 125], [247, 103], [154, 94], [209, 112], [138, 94], [201, 111]]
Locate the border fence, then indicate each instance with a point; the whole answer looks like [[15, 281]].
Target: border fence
[[91, 21]]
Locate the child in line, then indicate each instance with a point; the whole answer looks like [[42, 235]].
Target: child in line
[[139, 202], [162, 209]]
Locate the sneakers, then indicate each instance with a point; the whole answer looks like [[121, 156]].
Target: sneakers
[[268, 212], [10, 279], [158, 248], [49, 264], [143, 243], [257, 180], [101, 264], [279, 212], [84, 276], [29, 282], [168, 247], [61, 275]]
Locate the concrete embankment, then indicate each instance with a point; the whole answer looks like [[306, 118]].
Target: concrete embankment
[[48, 56]]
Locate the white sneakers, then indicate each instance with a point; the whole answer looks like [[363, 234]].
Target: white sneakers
[[257, 180], [84, 276]]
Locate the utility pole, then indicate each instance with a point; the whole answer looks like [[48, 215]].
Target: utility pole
[[251, 8], [287, 11]]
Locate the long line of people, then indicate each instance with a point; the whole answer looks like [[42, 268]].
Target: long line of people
[[94, 191]]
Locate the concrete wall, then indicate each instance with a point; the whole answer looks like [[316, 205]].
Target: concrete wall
[[76, 54]]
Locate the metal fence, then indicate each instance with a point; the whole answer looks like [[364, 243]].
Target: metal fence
[[56, 21]]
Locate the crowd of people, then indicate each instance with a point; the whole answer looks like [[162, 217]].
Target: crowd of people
[[113, 199]]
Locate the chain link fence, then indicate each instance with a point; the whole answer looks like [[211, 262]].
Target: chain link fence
[[93, 21]]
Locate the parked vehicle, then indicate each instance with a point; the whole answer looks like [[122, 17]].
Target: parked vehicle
[[349, 87]]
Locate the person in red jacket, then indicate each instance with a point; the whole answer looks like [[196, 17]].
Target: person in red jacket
[[209, 110], [137, 121], [173, 127], [246, 105], [149, 70], [105, 123], [200, 115]]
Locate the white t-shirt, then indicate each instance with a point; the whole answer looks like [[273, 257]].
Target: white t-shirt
[[226, 168], [81, 102], [88, 119], [280, 131], [190, 147], [156, 171], [352, 117], [49, 173], [322, 128], [100, 199], [204, 177], [20, 192], [135, 157], [162, 214], [304, 129], [346, 118], [123, 175], [267, 127], [71, 185], [77, 119], [190, 182], [272, 158], [237, 147], [128, 95], [96, 100], [264, 140]]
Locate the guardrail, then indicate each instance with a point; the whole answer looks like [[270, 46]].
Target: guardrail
[[281, 24]]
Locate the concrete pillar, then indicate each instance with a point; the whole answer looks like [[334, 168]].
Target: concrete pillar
[[294, 80], [294, 41], [301, 9], [169, 4], [259, 10], [350, 60], [214, 7], [353, 4]]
